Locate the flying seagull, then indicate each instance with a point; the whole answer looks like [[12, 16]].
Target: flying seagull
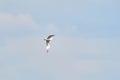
[[48, 39]]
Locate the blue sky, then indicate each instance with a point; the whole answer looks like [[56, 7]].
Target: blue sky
[[86, 45]]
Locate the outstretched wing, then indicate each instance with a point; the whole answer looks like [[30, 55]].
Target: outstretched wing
[[50, 37]]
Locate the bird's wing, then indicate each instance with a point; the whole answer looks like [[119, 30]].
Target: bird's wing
[[47, 42], [47, 45], [50, 37]]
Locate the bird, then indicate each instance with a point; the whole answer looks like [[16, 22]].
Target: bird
[[47, 40]]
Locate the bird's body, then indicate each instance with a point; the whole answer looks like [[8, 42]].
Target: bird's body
[[48, 39]]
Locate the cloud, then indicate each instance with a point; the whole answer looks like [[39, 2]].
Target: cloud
[[17, 25], [14, 21], [20, 45], [63, 61], [62, 67], [63, 45], [66, 30], [86, 46]]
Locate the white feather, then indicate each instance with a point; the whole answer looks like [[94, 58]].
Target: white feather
[[48, 46], [51, 38]]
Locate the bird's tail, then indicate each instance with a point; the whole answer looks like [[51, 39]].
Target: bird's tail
[[46, 51]]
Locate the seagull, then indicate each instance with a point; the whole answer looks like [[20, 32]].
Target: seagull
[[47, 40]]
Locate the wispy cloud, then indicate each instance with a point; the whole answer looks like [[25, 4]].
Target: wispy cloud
[[64, 45], [23, 45], [14, 21], [17, 25], [62, 61]]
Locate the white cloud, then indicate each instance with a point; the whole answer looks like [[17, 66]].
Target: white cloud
[[89, 46], [63, 67], [63, 45], [60, 61], [25, 45], [18, 25], [8, 21]]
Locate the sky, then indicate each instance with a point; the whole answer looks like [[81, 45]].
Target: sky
[[85, 47]]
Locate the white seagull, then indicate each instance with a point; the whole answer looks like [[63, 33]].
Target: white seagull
[[48, 39]]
